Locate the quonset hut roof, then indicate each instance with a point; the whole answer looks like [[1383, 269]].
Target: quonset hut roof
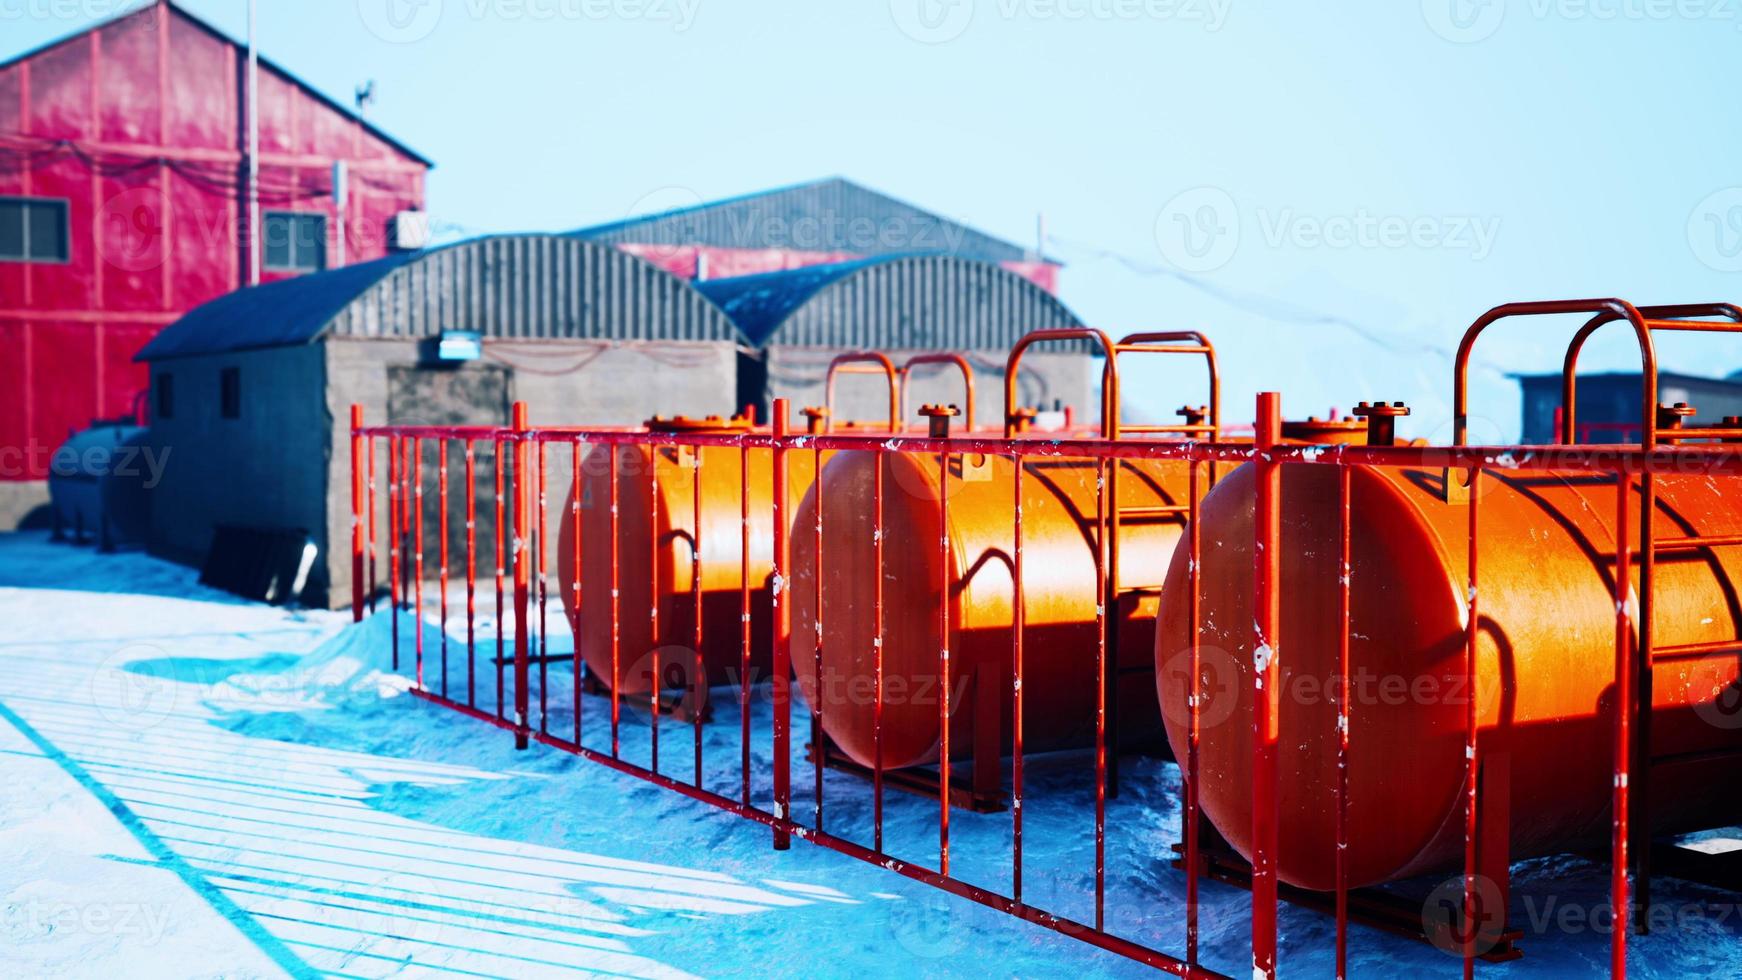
[[829, 215], [890, 303], [504, 286]]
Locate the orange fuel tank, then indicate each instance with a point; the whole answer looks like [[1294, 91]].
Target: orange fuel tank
[[657, 509], [1059, 507], [656, 506], [1545, 666]]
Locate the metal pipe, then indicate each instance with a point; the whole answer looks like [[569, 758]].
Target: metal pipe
[[961, 364], [782, 680], [471, 573], [522, 636], [357, 514], [442, 549], [879, 364], [1266, 703], [1471, 932], [1615, 308], [1624, 696]]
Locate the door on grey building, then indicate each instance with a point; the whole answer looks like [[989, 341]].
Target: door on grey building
[[472, 394]]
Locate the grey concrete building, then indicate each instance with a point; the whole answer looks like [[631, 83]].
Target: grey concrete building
[[251, 393]]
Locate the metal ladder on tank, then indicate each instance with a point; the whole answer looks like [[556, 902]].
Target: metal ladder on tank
[[1662, 425], [1199, 423]]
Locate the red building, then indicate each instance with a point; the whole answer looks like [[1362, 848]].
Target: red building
[[124, 203]]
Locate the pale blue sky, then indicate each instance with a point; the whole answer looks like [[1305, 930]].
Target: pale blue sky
[[1502, 150]]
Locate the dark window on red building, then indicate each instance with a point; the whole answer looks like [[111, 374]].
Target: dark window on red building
[[295, 242], [33, 229], [166, 396], [230, 393]]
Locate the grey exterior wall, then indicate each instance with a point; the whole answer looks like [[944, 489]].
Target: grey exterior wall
[[798, 373], [610, 384], [269, 467]]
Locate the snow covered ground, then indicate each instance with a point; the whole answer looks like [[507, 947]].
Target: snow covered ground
[[198, 786]]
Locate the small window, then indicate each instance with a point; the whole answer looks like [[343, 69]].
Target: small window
[[295, 242], [230, 393], [33, 229], [166, 396]]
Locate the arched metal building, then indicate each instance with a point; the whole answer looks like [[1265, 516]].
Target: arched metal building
[[798, 320], [250, 393]]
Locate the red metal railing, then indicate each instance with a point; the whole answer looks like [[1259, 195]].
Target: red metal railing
[[522, 448]]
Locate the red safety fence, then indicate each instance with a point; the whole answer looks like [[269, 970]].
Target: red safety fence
[[523, 559]]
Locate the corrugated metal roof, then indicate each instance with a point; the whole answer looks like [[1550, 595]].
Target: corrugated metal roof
[[518, 286], [126, 10], [891, 303], [829, 215]]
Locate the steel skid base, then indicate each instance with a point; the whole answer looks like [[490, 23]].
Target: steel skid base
[[1376, 908], [672, 705], [966, 792]]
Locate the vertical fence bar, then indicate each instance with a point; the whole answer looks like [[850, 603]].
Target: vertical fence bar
[[501, 556], [1018, 622], [657, 681], [817, 652], [542, 568], [577, 491], [1344, 571], [879, 461], [442, 550], [374, 580], [357, 517], [1638, 772], [417, 550], [471, 575], [616, 607], [522, 582], [1189, 815], [1624, 698], [782, 680], [1103, 588], [1267, 568], [698, 671], [394, 533], [1472, 754], [944, 663], [744, 620]]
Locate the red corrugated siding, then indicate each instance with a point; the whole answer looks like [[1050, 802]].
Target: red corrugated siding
[[149, 242]]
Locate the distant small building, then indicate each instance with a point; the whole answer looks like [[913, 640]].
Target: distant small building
[[816, 223], [251, 393], [1608, 404]]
